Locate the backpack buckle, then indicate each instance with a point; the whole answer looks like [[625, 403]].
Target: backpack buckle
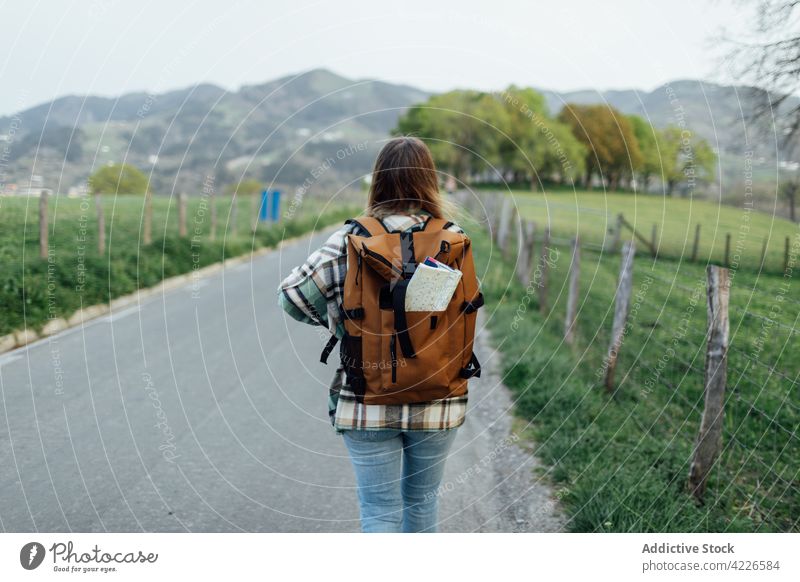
[[474, 305]]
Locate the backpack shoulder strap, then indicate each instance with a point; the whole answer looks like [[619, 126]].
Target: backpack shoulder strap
[[436, 224], [370, 224]]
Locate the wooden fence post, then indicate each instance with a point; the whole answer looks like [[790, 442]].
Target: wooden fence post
[[786, 255], [622, 300], [696, 245], [483, 210], [654, 240], [727, 249], [101, 224], [182, 200], [497, 215], [43, 232], [460, 199], [472, 203], [617, 233], [468, 202], [492, 202], [526, 252], [574, 291], [544, 259], [504, 227], [709, 439], [147, 235], [638, 235]]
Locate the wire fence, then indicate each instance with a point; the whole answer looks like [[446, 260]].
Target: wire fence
[[715, 361]]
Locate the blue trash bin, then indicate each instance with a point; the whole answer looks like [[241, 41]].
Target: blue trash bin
[[263, 210], [276, 205]]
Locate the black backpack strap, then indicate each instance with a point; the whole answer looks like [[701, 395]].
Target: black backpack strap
[[474, 305], [357, 313], [473, 369], [400, 322], [408, 257], [399, 293], [326, 351]]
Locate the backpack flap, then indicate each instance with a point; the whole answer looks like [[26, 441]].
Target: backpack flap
[[451, 252], [381, 254]]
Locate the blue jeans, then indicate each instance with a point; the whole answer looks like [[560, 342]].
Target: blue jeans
[[398, 474]]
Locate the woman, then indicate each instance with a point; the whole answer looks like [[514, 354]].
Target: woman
[[398, 451]]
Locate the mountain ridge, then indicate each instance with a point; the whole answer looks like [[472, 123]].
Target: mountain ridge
[[279, 130]]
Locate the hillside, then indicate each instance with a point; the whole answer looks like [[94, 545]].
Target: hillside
[[280, 130], [286, 129]]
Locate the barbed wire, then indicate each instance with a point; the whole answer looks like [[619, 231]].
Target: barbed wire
[[771, 368], [761, 388], [667, 299], [773, 420], [790, 328], [765, 516], [768, 494], [689, 365], [769, 468], [673, 283]]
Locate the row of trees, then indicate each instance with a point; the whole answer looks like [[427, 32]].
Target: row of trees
[[510, 135], [128, 179]]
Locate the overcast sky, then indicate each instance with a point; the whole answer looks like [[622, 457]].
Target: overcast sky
[[53, 48]]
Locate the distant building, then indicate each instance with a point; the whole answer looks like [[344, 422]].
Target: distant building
[[33, 187], [78, 191]]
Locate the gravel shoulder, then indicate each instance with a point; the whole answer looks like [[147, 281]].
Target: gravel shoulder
[[491, 482]]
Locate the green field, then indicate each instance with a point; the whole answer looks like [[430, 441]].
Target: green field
[[593, 214], [34, 290], [620, 460]]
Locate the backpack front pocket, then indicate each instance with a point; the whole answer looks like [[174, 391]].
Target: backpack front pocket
[[431, 366]]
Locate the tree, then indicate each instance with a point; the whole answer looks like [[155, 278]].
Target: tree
[[244, 188], [686, 158], [565, 157], [767, 55], [612, 149], [538, 147], [461, 128], [522, 152], [650, 146], [118, 179], [511, 132]]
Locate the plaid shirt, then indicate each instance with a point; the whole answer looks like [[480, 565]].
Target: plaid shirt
[[313, 293]]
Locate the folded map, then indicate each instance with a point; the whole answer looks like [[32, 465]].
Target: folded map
[[432, 286]]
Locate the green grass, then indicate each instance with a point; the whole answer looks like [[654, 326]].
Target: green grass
[[593, 214], [34, 290], [621, 460]]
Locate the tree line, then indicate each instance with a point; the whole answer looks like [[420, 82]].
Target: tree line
[[128, 179], [511, 136]]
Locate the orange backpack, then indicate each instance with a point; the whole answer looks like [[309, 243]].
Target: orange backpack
[[389, 355]]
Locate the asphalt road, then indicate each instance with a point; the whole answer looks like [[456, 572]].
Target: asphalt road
[[204, 409]]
